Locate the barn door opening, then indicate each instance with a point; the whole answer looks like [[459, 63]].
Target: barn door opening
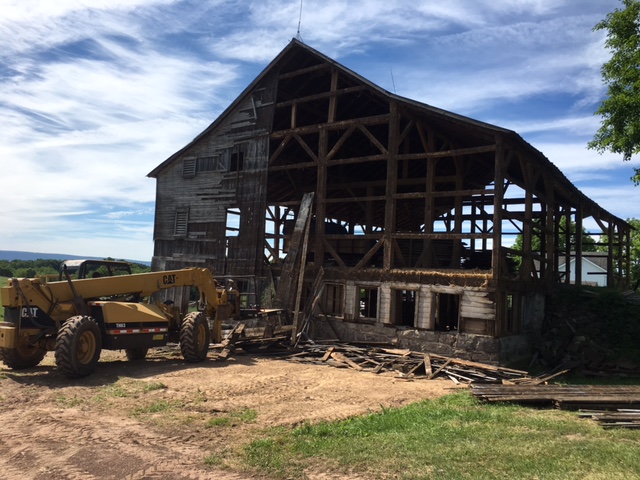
[[447, 311]]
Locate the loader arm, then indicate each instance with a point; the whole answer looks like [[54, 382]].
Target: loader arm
[[57, 298]]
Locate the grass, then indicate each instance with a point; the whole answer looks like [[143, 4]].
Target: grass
[[237, 417], [454, 437]]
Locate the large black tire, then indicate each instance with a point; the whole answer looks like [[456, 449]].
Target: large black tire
[[136, 354], [23, 356], [78, 347], [194, 337]]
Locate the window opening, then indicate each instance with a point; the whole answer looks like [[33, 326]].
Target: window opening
[[405, 307], [368, 302], [233, 222], [237, 162], [513, 313], [447, 310], [206, 164]]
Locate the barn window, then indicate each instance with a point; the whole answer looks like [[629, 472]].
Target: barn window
[[206, 164], [237, 162], [233, 222], [404, 307], [334, 299], [181, 224], [513, 313], [446, 307], [189, 167], [367, 303]]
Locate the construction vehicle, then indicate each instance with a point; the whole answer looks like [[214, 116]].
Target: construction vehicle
[[77, 318]]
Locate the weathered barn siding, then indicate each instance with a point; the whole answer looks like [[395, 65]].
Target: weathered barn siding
[[230, 173]]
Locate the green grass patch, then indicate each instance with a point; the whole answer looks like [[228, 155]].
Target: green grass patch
[[63, 401], [454, 437], [237, 417], [126, 388], [157, 406], [150, 387]]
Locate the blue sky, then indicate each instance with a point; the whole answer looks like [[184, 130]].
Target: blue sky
[[94, 94]]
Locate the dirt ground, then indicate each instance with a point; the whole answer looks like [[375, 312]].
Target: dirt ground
[[164, 419]]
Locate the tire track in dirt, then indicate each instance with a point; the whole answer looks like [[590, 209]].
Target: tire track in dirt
[[68, 445]]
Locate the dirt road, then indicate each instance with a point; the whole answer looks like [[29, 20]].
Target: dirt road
[[164, 419]]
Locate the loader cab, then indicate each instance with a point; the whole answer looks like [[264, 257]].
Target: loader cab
[[79, 269]]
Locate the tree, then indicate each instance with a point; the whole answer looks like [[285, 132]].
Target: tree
[[588, 242], [620, 111]]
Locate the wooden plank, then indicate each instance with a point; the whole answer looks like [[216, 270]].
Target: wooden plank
[[427, 364], [287, 278], [339, 357], [430, 377], [328, 354]]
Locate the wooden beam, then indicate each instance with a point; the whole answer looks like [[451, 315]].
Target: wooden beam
[[341, 125], [392, 185], [497, 205]]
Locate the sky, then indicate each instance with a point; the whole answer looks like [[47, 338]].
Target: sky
[[94, 94]]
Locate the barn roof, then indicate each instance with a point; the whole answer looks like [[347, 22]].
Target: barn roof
[[296, 51]]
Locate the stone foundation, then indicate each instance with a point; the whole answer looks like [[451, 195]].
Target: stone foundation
[[477, 348]]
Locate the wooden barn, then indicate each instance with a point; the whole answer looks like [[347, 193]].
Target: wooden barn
[[378, 217]]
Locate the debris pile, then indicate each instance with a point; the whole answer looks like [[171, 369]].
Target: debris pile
[[406, 363]]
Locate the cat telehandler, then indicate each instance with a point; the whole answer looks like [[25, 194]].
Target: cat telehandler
[[77, 318]]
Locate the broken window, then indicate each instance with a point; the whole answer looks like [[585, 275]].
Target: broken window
[[181, 223], [233, 222], [367, 303], [404, 307], [446, 307], [334, 299]]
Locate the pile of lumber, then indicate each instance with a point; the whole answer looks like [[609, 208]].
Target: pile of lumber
[[406, 363], [566, 397], [620, 418]]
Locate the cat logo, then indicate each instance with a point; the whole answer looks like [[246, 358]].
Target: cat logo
[[29, 312]]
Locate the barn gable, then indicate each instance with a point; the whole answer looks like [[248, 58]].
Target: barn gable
[[412, 208]]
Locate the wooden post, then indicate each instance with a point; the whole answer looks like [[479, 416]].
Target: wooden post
[[610, 255], [579, 246], [321, 195], [567, 244], [303, 262], [498, 181], [391, 187]]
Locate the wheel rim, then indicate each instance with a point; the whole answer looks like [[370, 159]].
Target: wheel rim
[[86, 347]]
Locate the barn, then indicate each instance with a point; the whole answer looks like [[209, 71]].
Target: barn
[[375, 217]]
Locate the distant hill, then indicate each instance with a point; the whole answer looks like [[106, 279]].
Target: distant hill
[[17, 255]]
